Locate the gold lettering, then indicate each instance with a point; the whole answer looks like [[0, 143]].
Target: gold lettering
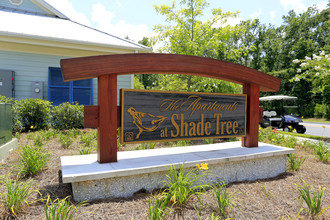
[[200, 126], [175, 126], [192, 130], [217, 116], [223, 123], [229, 125], [235, 126], [207, 126], [184, 127]]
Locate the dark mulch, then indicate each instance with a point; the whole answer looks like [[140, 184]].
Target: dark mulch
[[275, 198]]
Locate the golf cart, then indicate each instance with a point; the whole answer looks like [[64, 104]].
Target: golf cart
[[285, 121]]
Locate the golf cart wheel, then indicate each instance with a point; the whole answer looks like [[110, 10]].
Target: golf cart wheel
[[287, 129], [301, 129]]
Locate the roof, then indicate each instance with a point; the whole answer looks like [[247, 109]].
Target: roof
[[277, 97], [60, 30]]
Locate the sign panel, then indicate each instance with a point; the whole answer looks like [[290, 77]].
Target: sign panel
[[151, 116]]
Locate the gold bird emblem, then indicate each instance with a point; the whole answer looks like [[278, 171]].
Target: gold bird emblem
[[150, 120]]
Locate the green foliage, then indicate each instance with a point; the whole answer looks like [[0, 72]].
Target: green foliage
[[145, 146], [295, 162], [33, 113], [158, 209], [188, 32], [309, 198], [16, 194], [86, 138], [68, 116], [33, 160], [208, 141], [38, 142], [65, 140], [85, 150], [61, 209], [224, 199], [182, 186], [183, 143], [322, 152], [321, 110]]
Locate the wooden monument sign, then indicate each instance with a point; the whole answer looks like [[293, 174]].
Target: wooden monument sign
[[180, 115], [150, 116]]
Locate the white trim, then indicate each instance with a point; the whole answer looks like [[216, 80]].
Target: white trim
[[25, 39]]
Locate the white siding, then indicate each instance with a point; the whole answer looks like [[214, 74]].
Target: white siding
[[34, 67], [26, 6]]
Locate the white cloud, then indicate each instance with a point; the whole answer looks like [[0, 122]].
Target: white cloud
[[119, 4], [66, 8], [272, 15], [256, 14], [297, 5], [103, 19], [322, 5]]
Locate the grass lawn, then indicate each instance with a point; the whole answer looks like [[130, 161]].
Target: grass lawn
[[317, 120], [275, 198]]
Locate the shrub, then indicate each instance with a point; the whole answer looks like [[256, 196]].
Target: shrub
[[68, 116], [33, 160], [61, 209], [16, 194], [33, 113]]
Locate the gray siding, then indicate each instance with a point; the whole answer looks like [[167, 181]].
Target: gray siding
[[34, 67], [26, 6]]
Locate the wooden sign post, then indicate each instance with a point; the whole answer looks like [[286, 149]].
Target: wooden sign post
[[106, 116]]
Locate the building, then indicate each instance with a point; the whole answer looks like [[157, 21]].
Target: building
[[34, 37]]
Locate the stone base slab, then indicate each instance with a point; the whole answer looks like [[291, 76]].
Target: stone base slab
[[147, 169], [7, 148]]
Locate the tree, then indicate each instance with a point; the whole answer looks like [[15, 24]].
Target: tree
[[186, 33]]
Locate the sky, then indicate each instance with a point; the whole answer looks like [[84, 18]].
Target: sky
[[136, 19]]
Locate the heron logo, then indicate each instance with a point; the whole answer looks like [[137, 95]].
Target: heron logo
[[145, 122]]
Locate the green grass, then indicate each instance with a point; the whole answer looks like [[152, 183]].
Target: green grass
[[224, 199], [302, 135], [317, 120], [33, 160], [310, 201], [295, 162], [16, 195], [61, 209]]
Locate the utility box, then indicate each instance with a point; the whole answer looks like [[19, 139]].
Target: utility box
[[37, 90], [6, 123], [7, 83]]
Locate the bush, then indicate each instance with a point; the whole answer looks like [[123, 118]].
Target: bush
[[68, 116], [320, 110], [33, 113]]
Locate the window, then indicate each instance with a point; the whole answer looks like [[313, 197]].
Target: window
[[80, 91]]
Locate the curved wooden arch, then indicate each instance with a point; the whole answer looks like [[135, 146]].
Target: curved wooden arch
[[151, 63], [107, 67]]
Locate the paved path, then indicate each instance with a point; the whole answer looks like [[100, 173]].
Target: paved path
[[318, 129]]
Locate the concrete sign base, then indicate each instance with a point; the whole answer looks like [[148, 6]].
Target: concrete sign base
[[147, 169]]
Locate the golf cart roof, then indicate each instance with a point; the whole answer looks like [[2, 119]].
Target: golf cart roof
[[277, 97]]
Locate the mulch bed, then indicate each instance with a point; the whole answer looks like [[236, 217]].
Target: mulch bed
[[275, 198]]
